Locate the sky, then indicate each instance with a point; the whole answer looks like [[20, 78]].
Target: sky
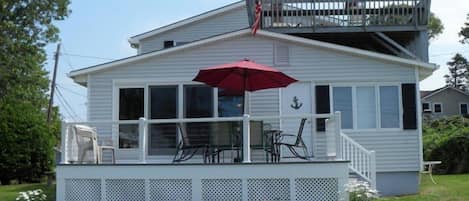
[[98, 32]]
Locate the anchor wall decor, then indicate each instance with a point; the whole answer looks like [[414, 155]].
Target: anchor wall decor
[[296, 104]]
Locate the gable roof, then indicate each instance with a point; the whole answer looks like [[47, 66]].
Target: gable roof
[[260, 33], [136, 39], [437, 91]]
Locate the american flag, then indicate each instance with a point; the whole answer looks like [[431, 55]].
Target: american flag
[[257, 21]]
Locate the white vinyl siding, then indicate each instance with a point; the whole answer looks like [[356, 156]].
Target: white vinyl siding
[[232, 20], [397, 150]]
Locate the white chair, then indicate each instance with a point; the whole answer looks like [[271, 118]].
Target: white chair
[[87, 148]]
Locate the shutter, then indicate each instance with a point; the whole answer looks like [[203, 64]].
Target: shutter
[[322, 105], [168, 44], [409, 105]]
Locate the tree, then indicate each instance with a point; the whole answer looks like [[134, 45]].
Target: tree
[[435, 26], [26, 139], [458, 72], [464, 33]]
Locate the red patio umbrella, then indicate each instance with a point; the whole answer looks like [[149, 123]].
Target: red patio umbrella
[[243, 76]]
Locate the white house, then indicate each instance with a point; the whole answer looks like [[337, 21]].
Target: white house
[[137, 102]]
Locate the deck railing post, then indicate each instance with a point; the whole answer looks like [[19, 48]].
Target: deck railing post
[[64, 139], [338, 124], [246, 139], [373, 169], [142, 133]]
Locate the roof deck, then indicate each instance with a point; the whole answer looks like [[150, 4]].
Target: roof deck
[[329, 16]]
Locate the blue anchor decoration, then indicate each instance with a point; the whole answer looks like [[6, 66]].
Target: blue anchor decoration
[[296, 105]]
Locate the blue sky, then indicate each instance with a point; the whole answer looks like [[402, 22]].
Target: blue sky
[[97, 32]]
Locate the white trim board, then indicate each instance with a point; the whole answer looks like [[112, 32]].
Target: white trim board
[[137, 38], [260, 33]]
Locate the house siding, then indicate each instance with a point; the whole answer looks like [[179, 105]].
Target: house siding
[[232, 20], [450, 100], [396, 150]]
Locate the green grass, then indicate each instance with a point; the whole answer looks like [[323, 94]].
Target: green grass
[[448, 188], [10, 192]]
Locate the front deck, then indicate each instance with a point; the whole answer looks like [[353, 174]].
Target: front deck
[[138, 174], [338, 16], [242, 181]]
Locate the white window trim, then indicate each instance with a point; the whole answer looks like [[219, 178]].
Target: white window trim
[[467, 106], [430, 107], [378, 104], [115, 111], [441, 106]]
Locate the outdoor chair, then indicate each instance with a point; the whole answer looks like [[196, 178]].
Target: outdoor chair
[[87, 148], [184, 149], [293, 142]]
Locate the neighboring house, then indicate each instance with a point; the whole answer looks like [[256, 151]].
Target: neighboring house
[[372, 80], [444, 102]]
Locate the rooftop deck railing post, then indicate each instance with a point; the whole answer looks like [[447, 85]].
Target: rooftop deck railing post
[[142, 130], [246, 139], [64, 137]]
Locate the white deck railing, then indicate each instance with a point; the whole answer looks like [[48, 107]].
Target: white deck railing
[[362, 161], [143, 134]]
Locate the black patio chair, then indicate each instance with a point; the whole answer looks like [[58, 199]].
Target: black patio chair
[[184, 149], [297, 144]]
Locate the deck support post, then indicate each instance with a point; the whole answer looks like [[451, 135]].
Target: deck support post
[[246, 139], [142, 133], [338, 122], [64, 139]]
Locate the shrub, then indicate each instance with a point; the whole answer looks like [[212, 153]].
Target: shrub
[[447, 140]]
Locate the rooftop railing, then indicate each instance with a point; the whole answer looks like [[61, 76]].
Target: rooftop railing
[[342, 15]]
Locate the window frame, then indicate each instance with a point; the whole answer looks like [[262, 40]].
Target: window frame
[[467, 108], [441, 107], [430, 109], [117, 84], [378, 104]]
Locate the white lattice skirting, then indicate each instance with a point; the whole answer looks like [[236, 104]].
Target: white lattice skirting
[[291, 181]]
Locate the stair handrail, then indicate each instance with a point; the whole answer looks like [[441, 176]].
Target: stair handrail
[[362, 160]]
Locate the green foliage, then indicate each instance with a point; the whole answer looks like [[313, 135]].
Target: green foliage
[[464, 33], [26, 139], [435, 26], [447, 140], [458, 72]]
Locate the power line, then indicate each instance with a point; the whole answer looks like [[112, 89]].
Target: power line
[[66, 104], [71, 91], [447, 53], [69, 62], [66, 109], [86, 56]]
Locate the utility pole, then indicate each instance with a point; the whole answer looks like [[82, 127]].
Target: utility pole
[[52, 86]]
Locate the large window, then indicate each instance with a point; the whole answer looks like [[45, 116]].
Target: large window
[[230, 104], [163, 104], [342, 100], [389, 106], [131, 107], [367, 107]]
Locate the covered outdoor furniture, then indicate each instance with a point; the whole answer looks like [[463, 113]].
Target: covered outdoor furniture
[[293, 142], [185, 150], [84, 145]]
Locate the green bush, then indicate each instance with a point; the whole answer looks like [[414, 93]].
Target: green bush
[[447, 140]]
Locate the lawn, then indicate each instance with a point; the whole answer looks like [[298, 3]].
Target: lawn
[[448, 188], [10, 192]]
